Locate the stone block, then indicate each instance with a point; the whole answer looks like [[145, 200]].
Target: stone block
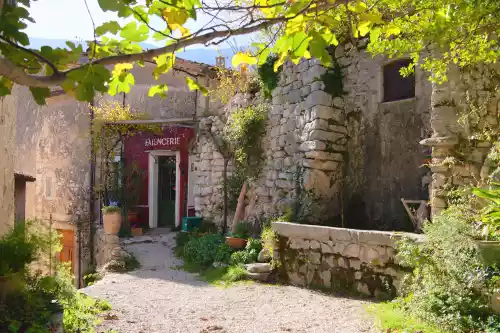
[[338, 129], [317, 85], [358, 275], [314, 73], [259, 268], [317, 98], [362, 288], [320, 165], [312, 145], [302, 66], [339, 234], [294, 96], [342, 262], [327, 247], [298, 243], [329, 260], [314, 245], [294, 230], [368, 254], [305, 90], [285, 184], [322, 135], [296, 279], [355, 264], [339, 248], [317, 124], [323, 155], [351, 251], [314, 257], [326, 277], [338, 102], [383, 238]]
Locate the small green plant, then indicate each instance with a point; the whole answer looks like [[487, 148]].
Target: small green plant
[[110, 209], [249, 254], [91, 278], [234, 273], [131, 263], [223, 253], [243, 229], [17, 250], [201, 250]]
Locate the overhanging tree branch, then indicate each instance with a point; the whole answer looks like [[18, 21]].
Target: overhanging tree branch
[[19, 76]]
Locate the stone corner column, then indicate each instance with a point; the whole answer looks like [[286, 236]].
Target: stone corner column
[[7, 148]]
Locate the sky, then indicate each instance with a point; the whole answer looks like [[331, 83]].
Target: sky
[[69, 19]]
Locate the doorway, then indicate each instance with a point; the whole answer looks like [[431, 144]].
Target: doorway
[[167, 180], [164, 199]]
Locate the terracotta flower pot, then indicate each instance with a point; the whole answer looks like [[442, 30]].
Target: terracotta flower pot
[[236, 243], [112, 223], [136, 232]]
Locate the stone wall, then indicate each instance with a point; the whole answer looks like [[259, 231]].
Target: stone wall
[[339, 259], [384, 160], [350, 154], [104, 246], [463, 110], [7, 144]]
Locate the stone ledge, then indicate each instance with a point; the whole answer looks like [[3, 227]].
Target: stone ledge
[[322, 233]]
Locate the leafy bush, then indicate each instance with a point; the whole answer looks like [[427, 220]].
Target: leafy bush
[[490, 214], [450, 285], [235, 273], [249, 254], [223, 253], [201, 250], [268, 76], [17, 249], [243, 229]]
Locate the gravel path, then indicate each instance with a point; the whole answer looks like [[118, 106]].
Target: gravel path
[[159, 299]]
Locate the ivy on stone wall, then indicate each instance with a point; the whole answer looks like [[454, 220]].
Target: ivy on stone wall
[[334, 80], [268, 77]]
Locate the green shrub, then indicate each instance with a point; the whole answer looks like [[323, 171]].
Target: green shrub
[[223, 253], [249, 254], [450, 285], [17, 249], [201, 250], [267, 75], [243, 229], [235, 273]]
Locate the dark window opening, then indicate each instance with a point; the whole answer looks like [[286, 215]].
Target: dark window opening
[[397, 87]]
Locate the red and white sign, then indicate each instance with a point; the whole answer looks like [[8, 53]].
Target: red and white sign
[[155, 142]]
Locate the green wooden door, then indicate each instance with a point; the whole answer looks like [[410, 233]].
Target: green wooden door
[[166, 191]]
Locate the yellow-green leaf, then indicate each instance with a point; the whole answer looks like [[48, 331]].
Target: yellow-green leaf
[[357, 7], [193, 85], [243, 58], [160, 89]]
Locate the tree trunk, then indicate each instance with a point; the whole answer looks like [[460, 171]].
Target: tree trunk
[[240, 207], [224, 177]]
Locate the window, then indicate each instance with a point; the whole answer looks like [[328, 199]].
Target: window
[[397, 87]]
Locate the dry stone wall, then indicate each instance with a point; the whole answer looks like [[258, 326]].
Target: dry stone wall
[[463, 109], [340, 259]]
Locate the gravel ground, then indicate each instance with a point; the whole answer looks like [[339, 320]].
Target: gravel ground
[[158, 298]]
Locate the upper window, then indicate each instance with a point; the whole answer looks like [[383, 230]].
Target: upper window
[[397, 87]]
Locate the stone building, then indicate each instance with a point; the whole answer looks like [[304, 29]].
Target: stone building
[[52, 147], [355, 151], [345, 141]]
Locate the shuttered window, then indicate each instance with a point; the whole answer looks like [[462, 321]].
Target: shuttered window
[[397, 87]]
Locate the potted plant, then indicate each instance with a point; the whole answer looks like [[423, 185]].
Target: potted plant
[[112, 219], [238, 239], [136, 230], [490, 217], [132, 192]]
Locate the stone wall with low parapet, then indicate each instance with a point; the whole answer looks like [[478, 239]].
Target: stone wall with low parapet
[[340, 260]]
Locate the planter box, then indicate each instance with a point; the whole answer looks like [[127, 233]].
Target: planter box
[[136, 232], [236, 243]]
